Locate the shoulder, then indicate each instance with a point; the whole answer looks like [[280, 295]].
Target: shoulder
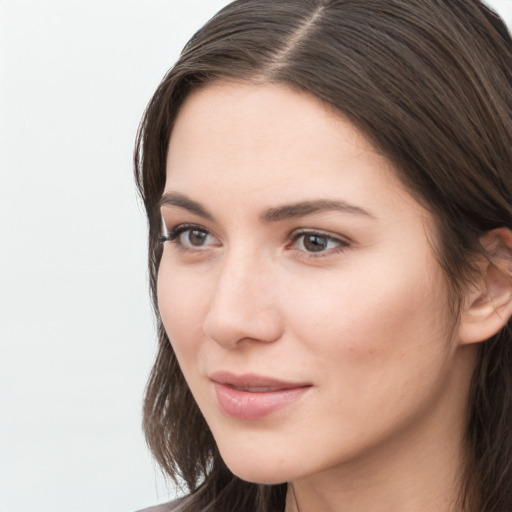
[[165, 507]]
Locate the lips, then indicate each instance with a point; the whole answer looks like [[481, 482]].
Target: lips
[[251, 397]]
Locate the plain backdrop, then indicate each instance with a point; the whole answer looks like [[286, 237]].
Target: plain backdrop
[[76, 331]]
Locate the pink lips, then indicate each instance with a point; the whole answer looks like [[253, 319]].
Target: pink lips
[[251, 397]]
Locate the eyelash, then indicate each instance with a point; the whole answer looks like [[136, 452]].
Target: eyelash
[[174, 235], [341, 243]]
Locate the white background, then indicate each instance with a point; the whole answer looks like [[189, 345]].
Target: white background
[[76, 331]]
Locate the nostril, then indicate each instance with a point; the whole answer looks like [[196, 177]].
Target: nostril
[[232, 327], [242, 308]]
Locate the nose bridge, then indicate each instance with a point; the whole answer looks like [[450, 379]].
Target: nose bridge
[[243, 305]]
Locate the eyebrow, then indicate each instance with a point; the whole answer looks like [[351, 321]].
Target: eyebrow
[[305, 208], [181, 201], [280, 213]]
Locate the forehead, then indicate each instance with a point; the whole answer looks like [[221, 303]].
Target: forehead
[[243, 105], [271, 143]]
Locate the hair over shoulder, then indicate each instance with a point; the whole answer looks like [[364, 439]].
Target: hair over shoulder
[[430, 84]]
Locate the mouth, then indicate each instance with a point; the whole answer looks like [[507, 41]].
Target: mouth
[[256, 389], [252, 397]]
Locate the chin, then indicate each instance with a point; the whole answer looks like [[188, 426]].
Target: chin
[[258, 469], [259, 475]]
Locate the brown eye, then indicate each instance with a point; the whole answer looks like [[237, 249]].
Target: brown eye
[[195, 237], [191, 237], [315, 243]]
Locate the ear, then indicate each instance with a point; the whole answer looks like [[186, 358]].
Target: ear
[[488, 303]]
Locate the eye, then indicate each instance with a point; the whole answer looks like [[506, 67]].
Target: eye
[[317, 242], [189, 236]]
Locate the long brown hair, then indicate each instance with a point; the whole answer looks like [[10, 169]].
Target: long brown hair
[[430, 84]]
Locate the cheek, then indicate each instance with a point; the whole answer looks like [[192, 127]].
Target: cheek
[[374, 314], [376, 343], [370, 315], [183, 302]]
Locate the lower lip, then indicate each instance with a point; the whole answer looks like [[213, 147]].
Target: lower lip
[[248, 405]]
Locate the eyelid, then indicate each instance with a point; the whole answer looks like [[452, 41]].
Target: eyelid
[[320, 232], [173, 235], [170, 234], [342, 242]]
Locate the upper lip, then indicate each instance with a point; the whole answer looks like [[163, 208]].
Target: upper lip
[[251, 380]]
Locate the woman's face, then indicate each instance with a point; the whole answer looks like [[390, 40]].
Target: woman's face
[[299, 289]]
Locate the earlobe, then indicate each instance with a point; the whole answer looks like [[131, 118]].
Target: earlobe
[[488, 304]]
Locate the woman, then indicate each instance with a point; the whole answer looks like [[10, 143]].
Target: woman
[[329, 192]]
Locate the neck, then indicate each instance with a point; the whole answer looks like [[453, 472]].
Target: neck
[[403, 486], [421, 469]]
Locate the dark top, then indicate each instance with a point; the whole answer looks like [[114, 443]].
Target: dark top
[[165, 507]]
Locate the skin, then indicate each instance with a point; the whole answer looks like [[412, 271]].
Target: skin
[[363, 321]]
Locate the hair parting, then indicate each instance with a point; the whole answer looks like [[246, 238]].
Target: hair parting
[[429, 82]]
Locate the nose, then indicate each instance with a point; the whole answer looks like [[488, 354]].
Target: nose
[[244, 307]]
